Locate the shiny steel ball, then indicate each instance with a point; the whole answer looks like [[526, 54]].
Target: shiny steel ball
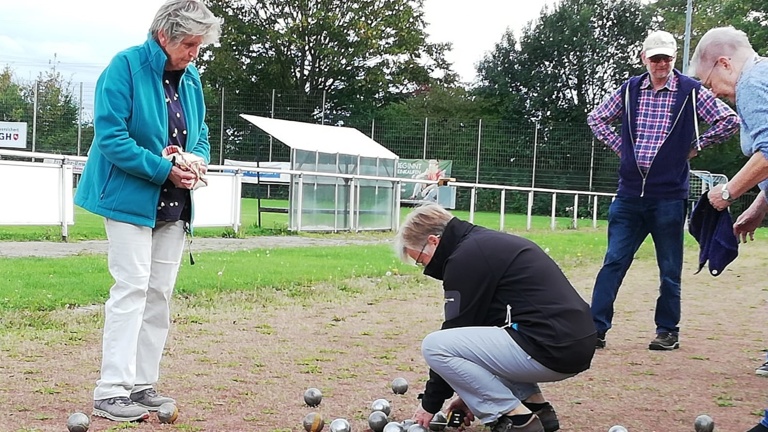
[[393, 427], [313, 397], [417, 428], [313, 422], [340, 425], [377, 420], [439, 422], [617, 428], [78, 422], [167, 413], [704, 423], [399, 386], [381, 405]]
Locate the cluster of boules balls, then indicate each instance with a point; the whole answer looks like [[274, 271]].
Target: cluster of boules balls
[[378, 420]]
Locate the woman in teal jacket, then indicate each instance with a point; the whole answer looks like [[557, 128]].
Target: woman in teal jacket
[[148, 103]]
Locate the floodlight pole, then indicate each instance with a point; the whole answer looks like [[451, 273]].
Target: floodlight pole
[[687, 37]]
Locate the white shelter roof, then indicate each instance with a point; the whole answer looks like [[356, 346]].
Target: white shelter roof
[[321, 138]]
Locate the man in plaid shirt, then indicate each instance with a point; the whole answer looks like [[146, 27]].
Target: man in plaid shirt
[[659, 113]]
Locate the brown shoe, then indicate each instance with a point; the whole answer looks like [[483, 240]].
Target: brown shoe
[[504, 424]]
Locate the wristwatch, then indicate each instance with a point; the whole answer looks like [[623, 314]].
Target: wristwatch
[[725, 194]]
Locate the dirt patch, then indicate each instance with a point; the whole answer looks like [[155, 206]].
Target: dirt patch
[[242, 362]]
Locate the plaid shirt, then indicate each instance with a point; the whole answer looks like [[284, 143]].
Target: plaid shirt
[[654, 119]]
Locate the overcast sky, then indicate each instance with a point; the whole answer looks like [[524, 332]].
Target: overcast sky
[[85, 34]]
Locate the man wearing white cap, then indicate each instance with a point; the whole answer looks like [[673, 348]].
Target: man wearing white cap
[[659, 112]]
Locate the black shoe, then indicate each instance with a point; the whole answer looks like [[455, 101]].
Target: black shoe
[[548, 418], [600, 344], [664, 342], [759, 428]]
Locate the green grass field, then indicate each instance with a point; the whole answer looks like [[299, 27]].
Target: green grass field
[[44, 284]]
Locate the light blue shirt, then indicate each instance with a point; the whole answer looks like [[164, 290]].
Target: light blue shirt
[[752, 106]]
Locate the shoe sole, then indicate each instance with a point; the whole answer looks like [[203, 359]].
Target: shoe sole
[[658, 347], [106, 415], [150, 408], [762, 373]]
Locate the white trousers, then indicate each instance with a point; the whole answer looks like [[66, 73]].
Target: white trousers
[[144, 263]]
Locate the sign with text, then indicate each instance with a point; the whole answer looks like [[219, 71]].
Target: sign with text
[[13, 134]]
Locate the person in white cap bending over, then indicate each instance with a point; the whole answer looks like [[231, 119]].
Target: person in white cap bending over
[[658, 112]]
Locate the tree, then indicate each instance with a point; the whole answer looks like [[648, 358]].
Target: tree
[[57, 112], [575, 54], [358, 54], [13, 107], [501, 80]]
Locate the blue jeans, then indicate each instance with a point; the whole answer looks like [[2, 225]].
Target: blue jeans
[[630, 220]]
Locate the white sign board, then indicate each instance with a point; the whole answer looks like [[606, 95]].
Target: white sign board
[[218, 204], [253, 176], [13, 134], [36, 194]]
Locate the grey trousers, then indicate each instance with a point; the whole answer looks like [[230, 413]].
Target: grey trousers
[[487, 369]]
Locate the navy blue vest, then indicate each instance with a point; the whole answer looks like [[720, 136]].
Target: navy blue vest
[[667, 178]]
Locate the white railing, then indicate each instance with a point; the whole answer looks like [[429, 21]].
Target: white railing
[[219, 203]]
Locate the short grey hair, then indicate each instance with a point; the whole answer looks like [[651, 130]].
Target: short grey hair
[[426, 220], [178, 19], [719, 42]]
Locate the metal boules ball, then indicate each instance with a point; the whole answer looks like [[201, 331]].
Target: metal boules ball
[[704, 423], [340, 425], [393, 427], [417, 428], [381, 405], [313, 397], [617, 428], [167, 413], [439, 422], [407, 423], [78, 422], [399, 386], [313, 422], [377, 420]]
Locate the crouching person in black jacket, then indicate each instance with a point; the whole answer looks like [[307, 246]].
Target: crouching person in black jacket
[[512, 320]]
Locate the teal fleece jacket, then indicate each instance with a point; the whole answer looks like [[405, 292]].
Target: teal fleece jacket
[[125, 168]]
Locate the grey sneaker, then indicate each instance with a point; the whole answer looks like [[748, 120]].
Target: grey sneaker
[[120, 409], [762, 370], [149, 399]]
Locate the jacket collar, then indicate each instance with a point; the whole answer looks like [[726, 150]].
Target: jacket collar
[[454, 234], [156, 55]]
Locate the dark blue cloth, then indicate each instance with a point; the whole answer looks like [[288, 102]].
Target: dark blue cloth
[[713, 230], [667, 177]]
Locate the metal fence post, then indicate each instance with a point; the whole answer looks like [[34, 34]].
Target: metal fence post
[[479, 137], [426, 125], [322, 110], [34, 115], [535, 146], [80, 120], [221, 130], [271, 115]]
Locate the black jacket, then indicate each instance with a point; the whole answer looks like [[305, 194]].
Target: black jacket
[[483, 271]]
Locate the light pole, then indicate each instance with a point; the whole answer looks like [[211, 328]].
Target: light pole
[[687, 37]]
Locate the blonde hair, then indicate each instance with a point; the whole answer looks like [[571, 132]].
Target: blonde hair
[[719, 42], [426, 220]]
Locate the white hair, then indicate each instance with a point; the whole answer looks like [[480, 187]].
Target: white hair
[[178, 19], [429, 219], [719, 42]]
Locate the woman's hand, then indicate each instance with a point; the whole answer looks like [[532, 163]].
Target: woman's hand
[[182, 179], [422, 417]]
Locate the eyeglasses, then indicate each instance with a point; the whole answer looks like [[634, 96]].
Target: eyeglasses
[[661, 58], [706, 82], [420, 254]]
